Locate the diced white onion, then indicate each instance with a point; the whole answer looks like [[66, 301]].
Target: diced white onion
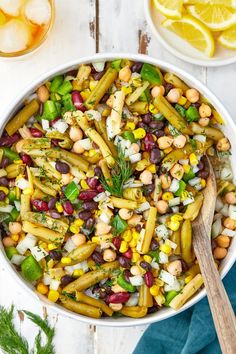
[[6, 209], [105, 218], [226, 174], [198, 187], [38, 253], [135, 157], [174, 185], [17, 205], [60, 126], [154, 264], [22, 183], [174, 201], [162, 231], [17, 259], [47, 279], [219, 204], [188, 201], [163, 218], [176, 286], [225, 210], [86, 143], [167, 277], [45, 124], [216, 228], [82, 265], [184, 161], [232, 212], [194, 181], [27, 243], [93, 115], [100, 197], [99, 66], [171, 244], [54, 285], [163, 258], [133, 300], [200, 137], [195, 169], [228, 232], [136, 280], [175, 209], [69, 245], [143, 207]]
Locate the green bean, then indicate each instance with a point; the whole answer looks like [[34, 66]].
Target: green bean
[[186, 241], [193, 209], [95, 276], [24, 204], [139, 107], [37, 143], [102, 87], [65, 142], [175, 81], [80, 254], [14, 170], [80, 297], [47, 168], [145, 297], [149, 229], [44, 220], [21, 117], [137, 93], [210, 132], [134, 311], [42, 233], [78, 307], [43, 187], [100, 126], [175, 237]]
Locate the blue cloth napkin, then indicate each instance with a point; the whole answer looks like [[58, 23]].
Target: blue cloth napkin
[[190, 332]]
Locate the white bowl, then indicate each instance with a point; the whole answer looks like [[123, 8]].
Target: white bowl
[[179, 47], [229, 129]]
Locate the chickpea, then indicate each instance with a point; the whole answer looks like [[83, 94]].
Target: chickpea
[[15, 227], [125, 214], [43, 94], [223, 241], [8, 242], [19, 145], [110, 101], [204, 110], [78, 239], [162, 206], [230, 198], [230, 224], [102, 228], [77, 148], [175, 268], [179, 141], [134, 220], [109, 255], [192, 95], [135, 148], [174, 95], [220, 253], [117, 289], [157, 90], [66, 178], [177, 171], [204, 122], [164, 142], [146, 177], [135, 270], [116, 307], [223, 144], [75, 133], [165, 181], [125, 74]]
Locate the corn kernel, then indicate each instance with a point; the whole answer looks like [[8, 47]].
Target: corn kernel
[[135, 257], [184, 196], [155, 272], [84, 184], [152, 109], [127, 235], [95, 239], [66, 260], [18, 162], [167, 196], [135, 234], [91, 263], [78, 272], [173, 225], [203, 183], [92, 152], [85, 94], [152, 168], [42, 288], [142, 164], [139, 133], [28, 191], [166, 249], [90, 173], [193, 159], [74, 229], [130, 126], [44, 245], [154, 290], [166, 151], [160, 299], [126, 90], [92, 84], [123, 247], [15, 237], [59, 207], [188, 279], [176, 217], [136, 81], [51, 246], [186, 168], [17, 192], [53, 295], [182, 100], [133, 243], [159, 282], [147, 258], [4, 189], [79, 222]]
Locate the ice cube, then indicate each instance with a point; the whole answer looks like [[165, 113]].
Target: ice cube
[[14, 36], [38, 11], [11, 7]]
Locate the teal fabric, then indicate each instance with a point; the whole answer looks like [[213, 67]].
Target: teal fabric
[[190, 332]]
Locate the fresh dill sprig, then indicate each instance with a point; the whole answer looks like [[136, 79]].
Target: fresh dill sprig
[[11, 342], [121, 172]]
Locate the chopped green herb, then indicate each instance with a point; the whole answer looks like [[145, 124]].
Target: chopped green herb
[[150, 73], [192, 114], [71, 191], [180, 109], [119, 224]]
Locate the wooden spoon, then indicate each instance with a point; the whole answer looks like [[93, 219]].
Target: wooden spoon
[[221, 309]]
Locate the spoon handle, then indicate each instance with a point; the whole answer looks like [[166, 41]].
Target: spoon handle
[[221, 309]]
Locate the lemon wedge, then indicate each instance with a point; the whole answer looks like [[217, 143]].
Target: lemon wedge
[[229, 3], [215, 17], [169, 8], [194, 32], [228, 38]]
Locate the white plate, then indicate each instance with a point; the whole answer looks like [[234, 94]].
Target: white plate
[[181, 48]]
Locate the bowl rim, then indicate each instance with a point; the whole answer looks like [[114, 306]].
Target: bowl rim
[[29, 89], [178, 54]]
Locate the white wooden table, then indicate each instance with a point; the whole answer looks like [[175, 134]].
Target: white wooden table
[[84, 27]]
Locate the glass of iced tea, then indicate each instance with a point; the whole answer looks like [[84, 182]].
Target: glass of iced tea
[[24, 25]]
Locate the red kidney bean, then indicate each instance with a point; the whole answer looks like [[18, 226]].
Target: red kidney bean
[[146, 265], [66, 279], [124, 262], [159, 133], [52, 203], [90, 205], [203, 174], [36, 133], [55, 255], [148, 142], [87, 195], [27, 160], [118, 298], [128, 254], [97, 258], [147, 118], [78, 101], [127, 274], [154, 245], [142, 125], [40, 205], [85, 215], [52, 122], [5, 162], [156, 124], [100, 188], [155, 156], [54, 214], [92, 182], [149, 279], [116, 242], [62, 167], [68, 207], [4, 181], [2, 195], [136, 67], [89, 223], [9, 140]]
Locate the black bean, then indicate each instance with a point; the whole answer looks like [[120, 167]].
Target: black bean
[[147, 190], [85, 215], [155, 156], [52, 203], [142, 125], [54, 214], [200, 165], [136, 67], [5, 162], [127, 274], [124, 262], [196, 104], [97, 258], [102, 294], [159, 133], [168, 87], [138, 228], [4, 181], [146, 118], [105, 98], [155, 124], [98, 75], [9, 140], [154, 245], [152, 309], [146, 265], [203, 174], [62, 167], [66, 279], [213, 244], [89, 223], [55, 255], [90, 205], [2, 195], [184, 265], [98, 171]]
